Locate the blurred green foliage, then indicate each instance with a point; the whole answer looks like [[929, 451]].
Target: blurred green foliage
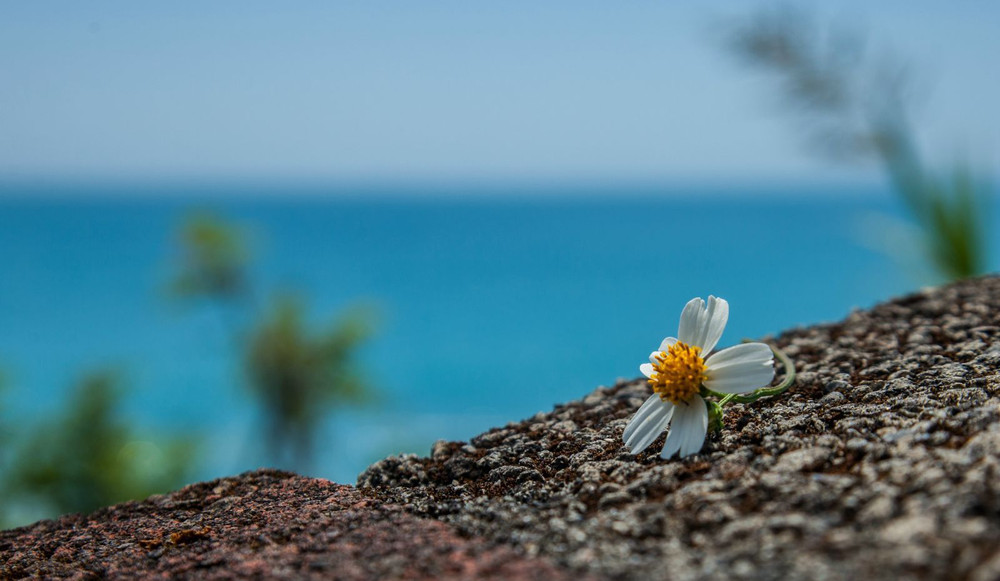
[[88, 457], [213, 260], [298, 375], [853, 106], [4, 444], [3, 426]]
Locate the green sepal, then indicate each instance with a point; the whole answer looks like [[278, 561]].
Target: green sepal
[[715, 414]]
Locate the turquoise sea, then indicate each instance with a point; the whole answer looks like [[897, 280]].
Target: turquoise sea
[[492, 307]]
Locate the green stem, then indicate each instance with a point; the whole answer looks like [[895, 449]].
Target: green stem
[[764, 391]]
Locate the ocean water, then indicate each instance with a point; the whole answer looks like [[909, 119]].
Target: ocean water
[[491, 308]]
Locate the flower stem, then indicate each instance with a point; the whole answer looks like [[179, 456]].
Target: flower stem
[[764, 391]]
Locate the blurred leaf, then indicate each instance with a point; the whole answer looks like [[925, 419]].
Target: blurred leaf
[[852, 109], [213, 260], [87, 457], [4, 443], [300, 375], [297, 375], [816, 70]]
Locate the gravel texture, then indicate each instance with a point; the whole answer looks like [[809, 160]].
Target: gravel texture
[[259, 525], [881, 462]]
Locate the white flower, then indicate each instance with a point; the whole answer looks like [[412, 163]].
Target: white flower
[[681, 366]]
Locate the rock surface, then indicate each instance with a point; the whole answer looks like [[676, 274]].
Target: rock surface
[[881, 462], [264, 525]]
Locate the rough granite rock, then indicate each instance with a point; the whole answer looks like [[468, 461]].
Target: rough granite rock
[[881, 462], [260, 525]]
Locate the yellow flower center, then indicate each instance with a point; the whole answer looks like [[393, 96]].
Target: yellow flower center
[[678, 373]]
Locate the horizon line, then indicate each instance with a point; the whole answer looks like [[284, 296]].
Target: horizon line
[[415, 188]]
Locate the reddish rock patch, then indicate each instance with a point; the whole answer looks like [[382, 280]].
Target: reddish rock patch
[[264, 524]]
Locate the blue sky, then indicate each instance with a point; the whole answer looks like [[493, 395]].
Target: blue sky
[[444, 91]]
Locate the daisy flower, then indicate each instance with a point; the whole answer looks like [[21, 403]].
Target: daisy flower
[[681, 367]]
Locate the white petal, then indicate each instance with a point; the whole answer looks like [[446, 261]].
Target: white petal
[[652, 356], [645, 409], [687, 429], [690, 325], [698, 428], [740, 368], [701, 325], [647, 424], [646, 369], [716, 319], [667, 343]]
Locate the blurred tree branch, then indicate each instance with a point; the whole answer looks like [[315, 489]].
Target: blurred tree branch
[[296, 375], [213, 260], [851, 108], [299, 375]]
